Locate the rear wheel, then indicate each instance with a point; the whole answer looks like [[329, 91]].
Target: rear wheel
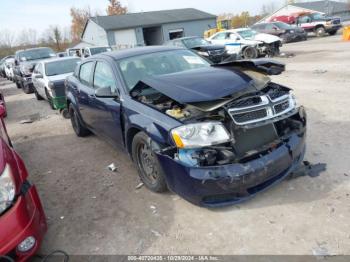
[[320, 31], [18, 85], [37, 96], [27, 89], [147, 163], [49, 98], [78, 128], [250, 52]]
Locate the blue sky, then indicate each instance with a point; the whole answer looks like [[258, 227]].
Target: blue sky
[[39, 14]]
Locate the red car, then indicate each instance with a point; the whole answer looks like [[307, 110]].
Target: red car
[[22, 218]]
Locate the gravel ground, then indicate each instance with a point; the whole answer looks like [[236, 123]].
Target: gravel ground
[[91, 210]]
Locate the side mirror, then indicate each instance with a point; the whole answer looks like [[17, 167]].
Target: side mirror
[[106, 92], [2, 111], [39, 76]]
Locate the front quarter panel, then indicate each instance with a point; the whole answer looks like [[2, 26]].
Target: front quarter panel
[[143, 117]]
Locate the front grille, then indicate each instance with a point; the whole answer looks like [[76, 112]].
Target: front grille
[[275, 92], [260, 108], [246, 102], [282, 107], [250, 116]]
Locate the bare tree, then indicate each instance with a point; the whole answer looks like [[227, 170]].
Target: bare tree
[[27, 37], [268, 9], [7, 38]]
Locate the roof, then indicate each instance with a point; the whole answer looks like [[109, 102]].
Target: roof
[[325, 6], [132, 20], [126, 53]]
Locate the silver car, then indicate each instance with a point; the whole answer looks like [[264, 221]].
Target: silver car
[[48, 80]]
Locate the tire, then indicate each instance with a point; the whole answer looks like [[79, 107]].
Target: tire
[[37, 96], [320, 31], [149, 169], [332, 32], [78, 128], [49, 99], [250, 52], [18, 85], [26, 89], [65, 113]]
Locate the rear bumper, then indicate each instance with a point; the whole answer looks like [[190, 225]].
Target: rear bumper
[[230, 184], [26, 218]]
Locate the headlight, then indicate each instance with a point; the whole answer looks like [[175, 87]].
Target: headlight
[[200, 135], [291, 31], [203, 53], [231, 51], [293, 100], [7, 189]]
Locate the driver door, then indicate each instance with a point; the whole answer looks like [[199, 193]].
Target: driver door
[[106, 111]]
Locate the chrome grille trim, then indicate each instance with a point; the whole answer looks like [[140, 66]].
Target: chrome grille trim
[[266, 104]]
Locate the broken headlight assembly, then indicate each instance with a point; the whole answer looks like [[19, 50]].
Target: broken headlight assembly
[[7, 189], [203, 53], [200, 135]]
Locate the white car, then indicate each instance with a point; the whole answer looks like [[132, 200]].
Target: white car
[[9, 63], [247, 42]]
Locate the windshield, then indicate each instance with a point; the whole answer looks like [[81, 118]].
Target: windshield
[[195, 42], [283, 25], [61, 67], [247, 34], [36, 54], [97, 50], [137, 68]]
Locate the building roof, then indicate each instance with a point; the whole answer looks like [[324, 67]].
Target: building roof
[[126, 53], [325, 6], [132, 20]]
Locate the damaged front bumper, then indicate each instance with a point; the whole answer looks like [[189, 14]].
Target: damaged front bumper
[[217, 186]]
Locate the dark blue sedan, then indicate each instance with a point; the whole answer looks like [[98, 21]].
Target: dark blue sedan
[[214, 134]]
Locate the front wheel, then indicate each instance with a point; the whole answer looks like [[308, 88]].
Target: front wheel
[[332, 32], [150, 172], [320, 31], [250, 52]]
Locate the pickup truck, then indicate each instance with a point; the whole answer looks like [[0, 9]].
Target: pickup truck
[[317, 23]]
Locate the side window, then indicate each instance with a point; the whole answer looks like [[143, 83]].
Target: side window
[[104, 76], [270, 26], [38, 69], [85, 72], [220, 36]]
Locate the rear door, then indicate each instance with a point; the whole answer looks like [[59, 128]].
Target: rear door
[[106, 111], [85, 92]]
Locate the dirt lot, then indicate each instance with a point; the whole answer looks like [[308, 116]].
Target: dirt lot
[[91, 210]]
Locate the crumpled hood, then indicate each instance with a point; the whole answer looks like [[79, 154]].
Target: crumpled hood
[[266, 38], [199, 85]]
